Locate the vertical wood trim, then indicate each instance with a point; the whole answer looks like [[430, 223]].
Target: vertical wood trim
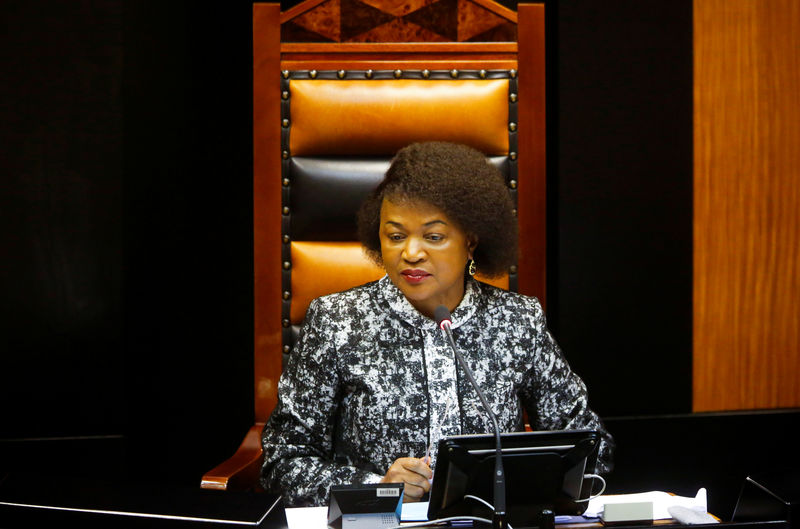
[[531, 139], [266, 206], [746, 204]]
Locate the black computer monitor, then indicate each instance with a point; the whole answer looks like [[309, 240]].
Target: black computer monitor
[[544, 470]]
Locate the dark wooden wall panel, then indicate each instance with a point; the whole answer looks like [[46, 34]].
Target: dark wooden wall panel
[[620, 199], [126, 228], [61, 157], [747, 204]]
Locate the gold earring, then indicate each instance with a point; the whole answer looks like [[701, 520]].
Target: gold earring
[[472, 268]]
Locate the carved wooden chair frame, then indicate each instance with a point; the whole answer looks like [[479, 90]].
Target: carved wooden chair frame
[[280, 74]]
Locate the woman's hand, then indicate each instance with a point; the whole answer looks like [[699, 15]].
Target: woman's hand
[[413, 473]]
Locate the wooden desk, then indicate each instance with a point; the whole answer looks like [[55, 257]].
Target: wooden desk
[[34, 501]]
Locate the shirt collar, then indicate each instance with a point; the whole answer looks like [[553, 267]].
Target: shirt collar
[[403, 309]]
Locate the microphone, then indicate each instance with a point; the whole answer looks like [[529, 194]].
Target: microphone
[[443, 319]]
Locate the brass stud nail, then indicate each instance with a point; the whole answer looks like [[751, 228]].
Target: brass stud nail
[[368, 74], [513, 98], [482, 74], [285, 155], [285, 74], [513, 269], [285, 323], [286, 239], [285, 122], [513, 184], [454, 73], [286, 349], [287, 265], [512, 155], [340, 74], [285, 182], [285, 210], [426, 74], [398, 74], [284, 95], [512, 74], [312, 74], [512, 127], [514, 212], [286, 294]]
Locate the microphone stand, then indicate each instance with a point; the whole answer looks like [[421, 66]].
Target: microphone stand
[[499, 517]]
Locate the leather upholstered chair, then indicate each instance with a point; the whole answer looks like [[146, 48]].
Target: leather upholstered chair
[[329, 116]]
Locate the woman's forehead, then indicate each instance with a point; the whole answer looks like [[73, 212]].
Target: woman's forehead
[[392, 208]]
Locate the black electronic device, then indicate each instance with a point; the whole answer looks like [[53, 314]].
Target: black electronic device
[[769, 496], [367, 506], [544, 474]]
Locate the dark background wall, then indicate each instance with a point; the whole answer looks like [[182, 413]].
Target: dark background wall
[[126, 207], [620, 204], [127, 236]]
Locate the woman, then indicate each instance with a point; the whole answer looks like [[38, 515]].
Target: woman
[[372, 385]]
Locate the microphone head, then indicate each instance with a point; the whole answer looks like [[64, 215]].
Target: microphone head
[[442, 316]]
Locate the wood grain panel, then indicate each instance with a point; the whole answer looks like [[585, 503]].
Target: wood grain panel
[[383, 21], [266, 206], [531, 138], [391, 55], [390, 50], [747, 204]]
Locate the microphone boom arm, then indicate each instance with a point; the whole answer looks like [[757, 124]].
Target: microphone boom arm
[[499, 518]]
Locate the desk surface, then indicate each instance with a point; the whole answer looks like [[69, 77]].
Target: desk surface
[[316, 518], [22, 502]]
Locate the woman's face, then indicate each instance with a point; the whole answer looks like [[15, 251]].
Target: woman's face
[[424, 254]]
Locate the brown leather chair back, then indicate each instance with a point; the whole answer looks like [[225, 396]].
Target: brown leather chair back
[[341, 129]]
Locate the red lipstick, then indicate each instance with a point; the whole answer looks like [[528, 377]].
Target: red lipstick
[[415, 276]]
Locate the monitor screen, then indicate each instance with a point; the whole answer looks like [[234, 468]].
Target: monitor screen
[[544, 470]]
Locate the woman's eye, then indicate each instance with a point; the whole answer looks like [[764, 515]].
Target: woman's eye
[[395, 237], [435, 237]]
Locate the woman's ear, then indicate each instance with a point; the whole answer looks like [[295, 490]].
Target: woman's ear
[[472, 243]]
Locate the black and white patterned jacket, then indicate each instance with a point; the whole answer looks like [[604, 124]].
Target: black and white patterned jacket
[[371, 380]]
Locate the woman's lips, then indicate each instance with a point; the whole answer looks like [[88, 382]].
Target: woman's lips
[[415, 276]]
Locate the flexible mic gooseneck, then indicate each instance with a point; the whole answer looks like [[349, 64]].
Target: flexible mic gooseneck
[[443, 319]]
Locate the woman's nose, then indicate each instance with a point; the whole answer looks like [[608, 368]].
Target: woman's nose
[[413, 251]]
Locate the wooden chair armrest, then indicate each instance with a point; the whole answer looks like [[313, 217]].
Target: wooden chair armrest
[[241, 470]]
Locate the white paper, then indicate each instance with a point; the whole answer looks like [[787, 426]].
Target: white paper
[[307, 517], [661, 502], [414, 512]]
